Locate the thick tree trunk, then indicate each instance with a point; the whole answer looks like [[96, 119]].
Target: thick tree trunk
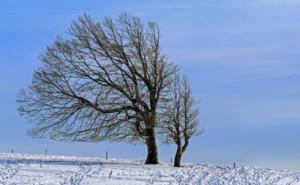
[[152, 157], [177, 160]]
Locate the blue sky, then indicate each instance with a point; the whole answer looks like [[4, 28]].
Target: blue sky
[[242, 58]]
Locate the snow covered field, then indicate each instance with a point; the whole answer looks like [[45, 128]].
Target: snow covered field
[[39, 169]]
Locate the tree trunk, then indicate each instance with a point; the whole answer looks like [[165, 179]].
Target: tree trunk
[[177, 160], [152, 157]]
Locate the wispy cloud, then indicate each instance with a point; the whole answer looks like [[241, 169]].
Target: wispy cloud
[[264, 77], [266, 112], [277, 1], [275, 164], [224, 3]]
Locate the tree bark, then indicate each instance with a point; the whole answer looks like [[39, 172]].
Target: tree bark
[[177, 160], [152, 157]]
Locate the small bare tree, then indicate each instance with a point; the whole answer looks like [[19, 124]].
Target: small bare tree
[[107, 81], [181, 121]]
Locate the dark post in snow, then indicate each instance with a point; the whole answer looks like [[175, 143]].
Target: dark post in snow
[[110, 173], [234, 165], [12, 151], [106, 155]]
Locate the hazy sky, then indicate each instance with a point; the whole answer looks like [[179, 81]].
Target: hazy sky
[[242, 58]]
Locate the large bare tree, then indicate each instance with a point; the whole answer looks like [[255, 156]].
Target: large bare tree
[[182, 118], [107, 81]]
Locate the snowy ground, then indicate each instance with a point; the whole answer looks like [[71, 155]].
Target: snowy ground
[[39, 169]]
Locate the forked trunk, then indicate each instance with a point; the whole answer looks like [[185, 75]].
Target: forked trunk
[[152, 157], [177, 160]]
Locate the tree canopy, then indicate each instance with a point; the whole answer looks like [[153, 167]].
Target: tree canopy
[[106, 81]]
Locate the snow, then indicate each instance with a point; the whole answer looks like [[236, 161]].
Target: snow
[[50, 170]]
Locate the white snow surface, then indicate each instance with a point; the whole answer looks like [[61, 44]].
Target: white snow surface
[[51, 170]]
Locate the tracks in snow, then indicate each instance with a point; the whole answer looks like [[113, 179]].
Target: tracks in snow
[[206, 174], [26, 169], [85, 171], [8, 170]]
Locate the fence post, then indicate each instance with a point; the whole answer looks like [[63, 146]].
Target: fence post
[[110, 173], [106, 155]]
